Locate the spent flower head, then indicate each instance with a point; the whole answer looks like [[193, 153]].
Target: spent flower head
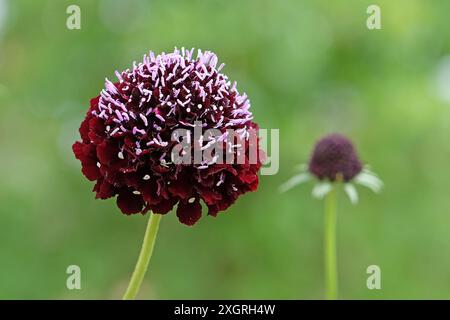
[[334, 159], [127, 137]]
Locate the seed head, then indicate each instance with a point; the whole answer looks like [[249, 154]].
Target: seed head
[[334, 158]]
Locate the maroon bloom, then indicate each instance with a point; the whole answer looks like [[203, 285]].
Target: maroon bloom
[[126, 138], [334, 156]]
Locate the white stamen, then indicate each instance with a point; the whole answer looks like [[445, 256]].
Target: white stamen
[[144, 119], [115, 130]]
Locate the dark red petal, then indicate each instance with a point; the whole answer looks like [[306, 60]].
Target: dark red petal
[[254, 184], [112, 174], [90, 170], [97, 185], [223, 205], [213, 170], [132, 179], [209, 196], [129, 142], [84, 129], [93, 103], [129, 202], [77, 148], [86, 154], [248, 177], [181, 187], [96, 130], [104, 189], [189, 213], [213, 210], [164, 206], [160, 169], [149, 189], [106, 152], [163, 189]]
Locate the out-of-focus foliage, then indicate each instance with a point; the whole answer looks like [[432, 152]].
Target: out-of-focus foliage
[[310, 67]]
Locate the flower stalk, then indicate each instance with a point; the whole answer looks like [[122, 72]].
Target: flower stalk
[[331, 279], [334, 162], [144, 257]]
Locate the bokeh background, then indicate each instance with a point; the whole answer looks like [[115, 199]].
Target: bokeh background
[[310, 67]]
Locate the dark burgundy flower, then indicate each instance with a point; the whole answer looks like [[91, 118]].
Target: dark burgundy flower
[[334, 156], [126, 137]]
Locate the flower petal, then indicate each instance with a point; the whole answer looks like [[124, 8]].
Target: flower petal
[[164, 206], [149, 192], [129, 202], [104, 189], [106, 152], [369, 180], [321, 189], [213, 210], [295, 180], [78, 150], [210, 196], [189, 213], [351, 192], [96, 130], [84, 130], [86, 154], [181, 187]]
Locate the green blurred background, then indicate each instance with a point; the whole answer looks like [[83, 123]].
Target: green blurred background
[[310, 67]]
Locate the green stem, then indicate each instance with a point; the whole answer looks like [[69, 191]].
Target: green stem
[[330, 246], [144, 257]]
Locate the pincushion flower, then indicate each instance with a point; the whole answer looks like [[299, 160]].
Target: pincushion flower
[[334, 161], [127, 138]]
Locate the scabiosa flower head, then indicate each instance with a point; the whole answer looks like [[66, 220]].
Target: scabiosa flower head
[[126, 137], [334, 157]]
